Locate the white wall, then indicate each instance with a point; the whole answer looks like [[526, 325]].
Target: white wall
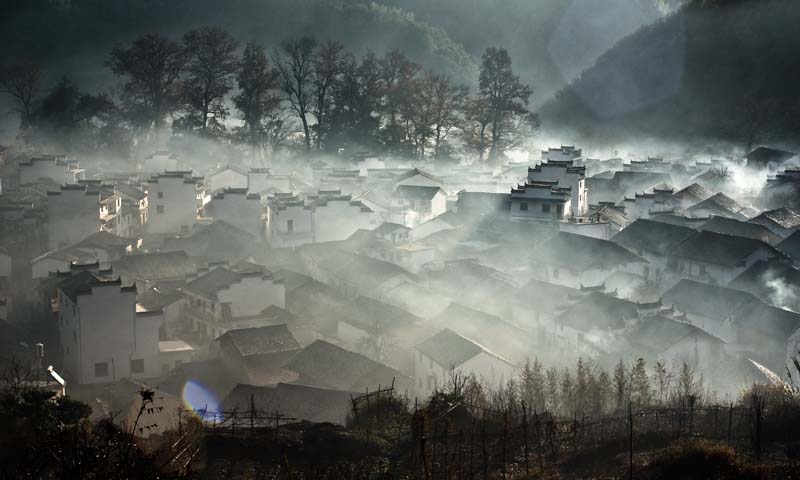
[[103, 327], [175, 209], [72, 215], [252, 295], [227, 178], [58, 172], [239, 210]]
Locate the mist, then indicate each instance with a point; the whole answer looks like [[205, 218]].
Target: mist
[[320, 238]]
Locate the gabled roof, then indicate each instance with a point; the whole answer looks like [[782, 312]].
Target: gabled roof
[[784, 217], [762, 155], [767, 319], [158, 265], [597, 310], [768, 281], [218, 241], [724, 205], [128, 190], [710, 301], [730, 226], [658, 333], [648, 235], [579, 252], [326, 365], [449, 349], [720, 249], [232, 167], [694, 193], [791, 246], [386, 228], [220, 278], [417, 192], [260, 340], [414, 172]]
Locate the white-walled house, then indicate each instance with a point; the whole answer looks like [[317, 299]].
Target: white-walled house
[[55, 168], [418, 204], [239, 208], [73, 213], [104, 335], [224, 298], [172, 203], [565, 174], [227, 176], [438, 357], [327, 216], [540, 201]]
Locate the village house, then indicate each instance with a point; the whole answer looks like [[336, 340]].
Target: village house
[[174, 353], [652, 164], [148, 269], [791, 247], [72, 214], [771, 159], [730, 226], [224, 298], [591, 320], [302, 402], [540, 201], [172, 203], [720, 205], [566, 175], [576, 260], [54, 168], [326, 216], [563, 154], [239, 208], [741, 319], [132, 217], [325, 365], [100, 246], [718, 258], [782, 221], [675, 342], [688, 196], [645, 205], [227, 176], [256, 355], [417, 204], [774, 282], [782, 189], [447, 353], [160, 161], [654, 241], [105, 336], [216, 242]]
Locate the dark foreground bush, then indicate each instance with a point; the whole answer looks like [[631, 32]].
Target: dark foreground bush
[[700, 460]]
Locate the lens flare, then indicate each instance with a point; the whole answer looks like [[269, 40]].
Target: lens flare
[[198, 398]]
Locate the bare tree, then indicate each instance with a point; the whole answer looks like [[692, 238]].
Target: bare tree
[[21, 82], [295, 63], [256, 100], [448, 102], [153, 65], [211, 68], [506, 99], [327, 69]]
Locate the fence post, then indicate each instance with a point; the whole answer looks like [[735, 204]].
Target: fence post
[[505, 435], [730, 421], [483, 447], [252, 413], [630, 441], [525, 438], [471, 445]]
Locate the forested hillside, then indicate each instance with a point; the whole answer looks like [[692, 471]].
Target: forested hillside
[[723, 70]]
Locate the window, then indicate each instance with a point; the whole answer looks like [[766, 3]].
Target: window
[[289, 226], [160, 194], [523, 206], [137, 366], [160, 209], [101, 370], [546, 208]]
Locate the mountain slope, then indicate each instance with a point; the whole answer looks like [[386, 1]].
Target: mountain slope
[[724, 70]]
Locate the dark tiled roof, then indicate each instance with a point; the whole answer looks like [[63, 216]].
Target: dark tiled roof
[[648, 235], [598, 310], [579, 252], [706, 300], [260, 340], [791, 246], [326, 365], [212, 282], [785, 217], [720, 249], [739, 228], [417, 192], [449, 349], [722, 204], [658, 333], [158, 265], [414, 172]]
